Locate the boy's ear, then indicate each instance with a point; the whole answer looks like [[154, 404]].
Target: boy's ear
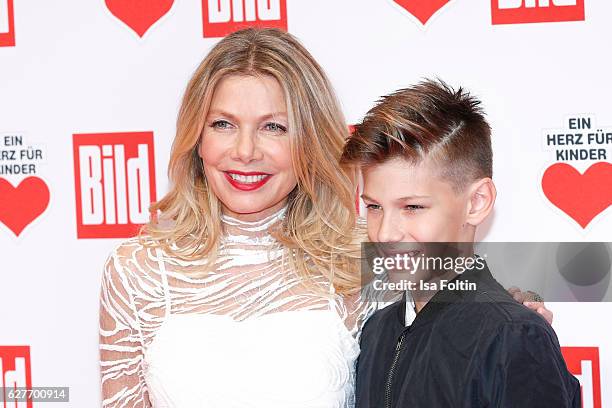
[[481, 197]]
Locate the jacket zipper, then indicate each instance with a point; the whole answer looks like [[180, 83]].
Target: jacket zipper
[[392, 370]]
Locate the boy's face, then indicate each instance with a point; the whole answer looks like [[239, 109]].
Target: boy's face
[[412, 203]]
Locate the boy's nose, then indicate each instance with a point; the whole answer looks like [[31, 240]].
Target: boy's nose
[[389, 230]]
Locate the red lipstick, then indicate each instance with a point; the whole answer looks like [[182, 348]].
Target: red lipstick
[[257, 181]]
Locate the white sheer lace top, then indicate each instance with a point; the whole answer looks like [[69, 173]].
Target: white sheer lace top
[[248, 334]]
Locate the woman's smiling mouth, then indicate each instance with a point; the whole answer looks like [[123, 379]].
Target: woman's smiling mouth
[[246, 181]]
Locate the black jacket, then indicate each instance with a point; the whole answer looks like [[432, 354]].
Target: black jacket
[[464, 349]]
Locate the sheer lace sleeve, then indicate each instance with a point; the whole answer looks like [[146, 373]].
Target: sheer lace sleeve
[[356, 312], [121, 343], [358, 307]]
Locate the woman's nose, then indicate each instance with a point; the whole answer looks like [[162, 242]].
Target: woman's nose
[[246, 148]]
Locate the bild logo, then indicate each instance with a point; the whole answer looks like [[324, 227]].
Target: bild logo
[[7, 24], [114, 181], [583, 363], [222, 17], [536, 11], [16, 372]]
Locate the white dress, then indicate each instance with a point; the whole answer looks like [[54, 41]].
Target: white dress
[[249, 334]]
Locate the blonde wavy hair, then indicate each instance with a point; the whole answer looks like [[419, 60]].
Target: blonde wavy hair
[[318, 231]]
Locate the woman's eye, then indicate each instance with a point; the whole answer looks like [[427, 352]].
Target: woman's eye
[[275, 127], [221, 124]]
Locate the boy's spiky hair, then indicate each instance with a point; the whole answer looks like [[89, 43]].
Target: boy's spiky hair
[[427, 120]]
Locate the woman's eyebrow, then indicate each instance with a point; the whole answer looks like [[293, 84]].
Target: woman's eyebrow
[[222, 112], [281, 115], [225, 113]]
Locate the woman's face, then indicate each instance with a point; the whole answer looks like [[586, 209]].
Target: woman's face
[[245, 147]]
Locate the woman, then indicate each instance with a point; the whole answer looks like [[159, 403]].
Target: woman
[[244, 290], [243, 293]]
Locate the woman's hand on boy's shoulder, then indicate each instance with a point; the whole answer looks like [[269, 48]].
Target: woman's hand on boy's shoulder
[[533, 301]]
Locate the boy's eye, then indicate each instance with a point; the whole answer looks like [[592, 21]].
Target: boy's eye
[[221, 124], [372, 207], [413, 207], [275, 127]]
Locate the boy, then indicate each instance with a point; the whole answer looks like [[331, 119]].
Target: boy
[[425, 155]]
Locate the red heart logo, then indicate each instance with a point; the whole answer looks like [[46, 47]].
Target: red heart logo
[[581, 196], [139, 15], [21, 205], [422, 9]]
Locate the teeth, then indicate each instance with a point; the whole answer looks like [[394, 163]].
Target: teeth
[[247, 179]]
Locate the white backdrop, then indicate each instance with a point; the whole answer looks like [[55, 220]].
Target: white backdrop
[[76, 68]]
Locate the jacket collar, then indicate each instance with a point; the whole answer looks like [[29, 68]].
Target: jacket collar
[[445, 297]]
